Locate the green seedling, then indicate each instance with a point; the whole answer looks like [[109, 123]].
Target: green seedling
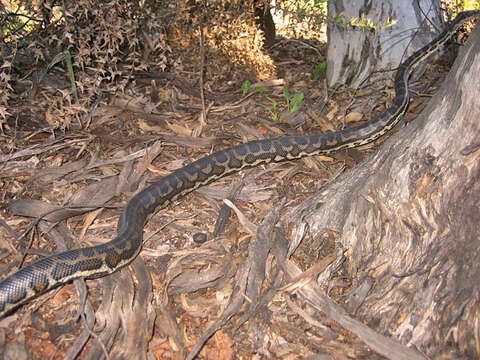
[[68, 60], [320, 69], [292, 103], [275, 110], [247, 85]]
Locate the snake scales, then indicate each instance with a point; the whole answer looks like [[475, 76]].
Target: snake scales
[[46, 273]]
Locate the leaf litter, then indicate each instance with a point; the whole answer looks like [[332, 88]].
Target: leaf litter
[[140, 117]]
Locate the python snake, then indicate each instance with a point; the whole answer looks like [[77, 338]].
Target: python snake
[[46, 273]]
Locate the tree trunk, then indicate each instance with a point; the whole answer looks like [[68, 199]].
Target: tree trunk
[[376, 35], [264, 19], [407, 219]]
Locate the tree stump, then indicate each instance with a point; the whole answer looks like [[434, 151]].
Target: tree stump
[[408, 220]]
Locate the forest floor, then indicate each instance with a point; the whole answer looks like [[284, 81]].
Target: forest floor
[[66, 159]]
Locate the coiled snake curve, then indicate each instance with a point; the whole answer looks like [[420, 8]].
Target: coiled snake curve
[[46, 273]]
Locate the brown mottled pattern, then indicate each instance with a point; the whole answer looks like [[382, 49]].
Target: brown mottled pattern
[[44, 274]]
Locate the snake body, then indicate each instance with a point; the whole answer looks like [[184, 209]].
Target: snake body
[[46, 273]]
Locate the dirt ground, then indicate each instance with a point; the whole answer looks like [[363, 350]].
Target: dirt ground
[[64, 158]]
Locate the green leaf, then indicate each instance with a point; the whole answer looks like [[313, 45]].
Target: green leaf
[[297, 99], [286, 93], [274, 102], [246, 87], [319, 70], [64, 56], [261, 89]]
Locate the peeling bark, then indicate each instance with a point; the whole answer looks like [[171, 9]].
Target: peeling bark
[[408, 219]]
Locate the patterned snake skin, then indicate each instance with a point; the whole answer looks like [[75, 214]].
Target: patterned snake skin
[[44, 274]]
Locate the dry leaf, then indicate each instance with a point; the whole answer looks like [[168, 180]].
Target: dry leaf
[[353, 116], [333, 111], [179, 129]]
